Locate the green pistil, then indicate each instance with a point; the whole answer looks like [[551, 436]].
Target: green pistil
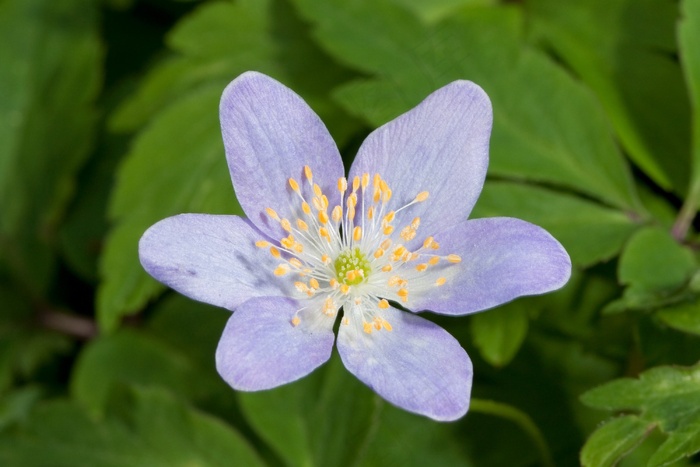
[[351, 260]]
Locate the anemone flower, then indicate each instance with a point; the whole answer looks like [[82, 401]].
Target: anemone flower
[[373, 249]]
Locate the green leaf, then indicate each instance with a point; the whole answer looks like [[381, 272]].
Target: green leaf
[[49, 80], [683, 316], [154, 184], [667, 397], [614, 440], [152, 429], [538, 130], [499, 333], [589, 231], [295, 421], [623, 50]]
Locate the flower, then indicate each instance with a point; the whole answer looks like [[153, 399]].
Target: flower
[[395, 231]]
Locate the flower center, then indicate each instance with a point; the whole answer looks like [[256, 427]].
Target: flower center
[[351, 267], [357, 254]]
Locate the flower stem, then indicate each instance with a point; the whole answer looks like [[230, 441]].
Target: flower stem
[[521, 419], [687, 213]]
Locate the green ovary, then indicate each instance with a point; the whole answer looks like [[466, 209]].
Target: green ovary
[[349, 261]]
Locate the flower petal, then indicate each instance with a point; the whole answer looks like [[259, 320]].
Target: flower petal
[[210, 258], [502, 259], [417, 366], [441, 146], [261, 348], [270, 134]]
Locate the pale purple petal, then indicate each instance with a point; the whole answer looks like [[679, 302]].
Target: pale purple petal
[[502, 259], [261, 348], [270, 134], [440, 146], [417, 366], [210, 258]]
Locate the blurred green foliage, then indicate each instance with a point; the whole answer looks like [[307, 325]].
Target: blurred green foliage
[[109, 122]]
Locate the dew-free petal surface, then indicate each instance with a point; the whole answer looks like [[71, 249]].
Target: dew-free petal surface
[[502, 259], [440, 146], [261, 349], [270, 134], [210, 258], [417, 366]]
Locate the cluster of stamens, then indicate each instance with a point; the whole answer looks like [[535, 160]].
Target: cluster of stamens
[[351, 254]]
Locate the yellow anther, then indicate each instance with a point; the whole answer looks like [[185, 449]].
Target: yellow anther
[[403, 294], [325, 259], [355, 183], [408, 233], [294, 185], [262, 244], [301, 287], [394, 281], [271, 212], [389, 217], [422, 196], [286, 225], [387, 196], [345, 288], [454, 258], [387, 268], [435, 245], [302, 225], [324, 202], [399, 250], [296, 263], [357, 233], [386, 325], [345, 321], [296, 321], [342, 184], [318, 203], [308, 173], [375, 180], [421, 267], [329, 307], [377, 323], [314, 283], [352, 200], [383, 304], [415, 223], [351, 275], [388, 230], [351, 213], [385, 244], [434, 260], [333, 283], [322, 217], [274, 252], [281, 270], [298, 247], [306, 208], [317, 190], [287, 242], [323, 232], [366, 327], [376, 195], [383, 185], [414, 256], [370, 213], [365, 180], [427, 242], [440, 281], [379, 253], [337, 214]]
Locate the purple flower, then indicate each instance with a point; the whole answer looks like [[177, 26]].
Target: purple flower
[[395, 231]]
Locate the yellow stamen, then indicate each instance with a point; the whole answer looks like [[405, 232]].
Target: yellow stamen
[[379, 253], [262, 244], [302, 225], [377, 323], [325, 259], [324, 202], [306, 208], [301, 287], [403, 294], [308, 173], [286, 225], [281, 270], [322, 217], [296, 263], [367, 327], [434, 260], [427, 242], [294, 185], [296, 321], [317, 190], [422, 196], [454, 258], [365, 180], [357, 233], [323, 232], [388, 230], [274, 252], [421, 267], [386, 244], [386, 325], [355, 183], [271, 212], [342, 184], [383, 304], [387, 268], [337, 214], [314, 283], [333, 283], [440, 281], [318, 203], [345, 288], [370, 213], [389, 217]]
